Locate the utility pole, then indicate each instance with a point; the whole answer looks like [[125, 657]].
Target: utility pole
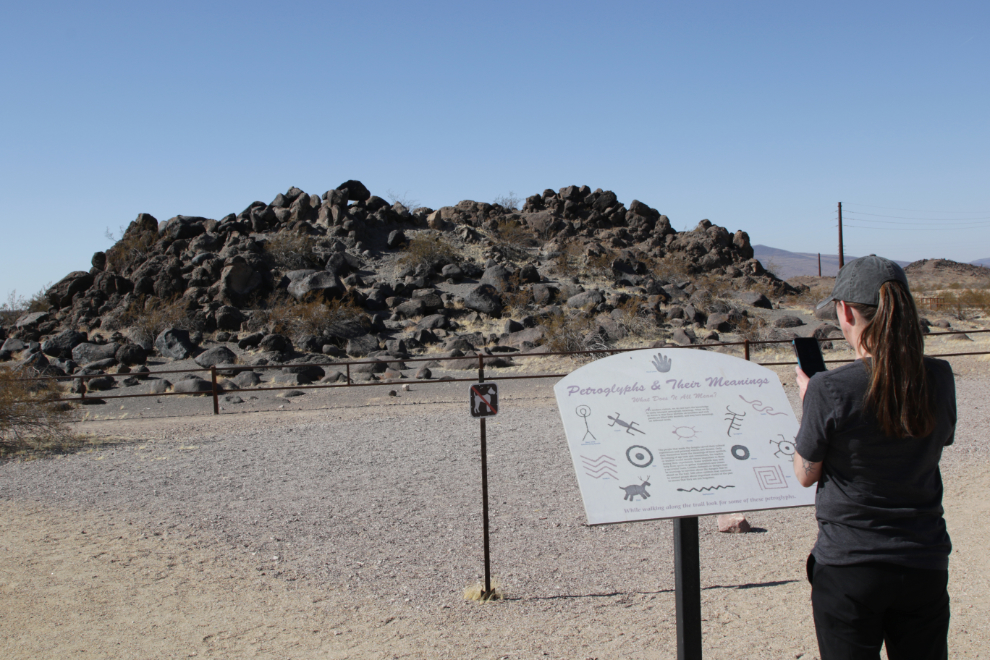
[[842, 260], [819, 264]]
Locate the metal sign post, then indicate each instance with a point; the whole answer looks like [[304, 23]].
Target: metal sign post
[[687, 588], [483, 400]]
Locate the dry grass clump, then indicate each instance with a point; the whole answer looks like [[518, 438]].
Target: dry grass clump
[[293, 251], [672, 267], [311, 316], [568, 261], [31, 418], [477, 592], [429, 251], [149, 317]]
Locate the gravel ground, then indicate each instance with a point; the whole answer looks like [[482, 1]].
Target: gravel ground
[[369, 507]]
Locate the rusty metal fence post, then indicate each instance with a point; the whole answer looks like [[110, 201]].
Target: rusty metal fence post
[[216, 401], [746, 349]]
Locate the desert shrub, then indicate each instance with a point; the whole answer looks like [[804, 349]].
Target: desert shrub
[[509, 202], [672, 267], [569, 332], [569, 260], [429, 251], [129, 249], [293, 251], [967, 303], [401, 198], [148, 317], [638, 319], [516, 298], [513, 238], [311, 316], [16, 306], [755, 329], [30, 415], [600, 265]]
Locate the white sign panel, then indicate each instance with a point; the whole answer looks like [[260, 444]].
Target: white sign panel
[[673, 433]]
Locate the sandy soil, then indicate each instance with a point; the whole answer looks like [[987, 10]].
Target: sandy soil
[[349, 529]]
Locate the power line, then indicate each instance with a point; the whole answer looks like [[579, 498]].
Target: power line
[[914, 228], [901, 217], [891, 208]]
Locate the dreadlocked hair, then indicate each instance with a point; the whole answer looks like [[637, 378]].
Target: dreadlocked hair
[[898, 393]]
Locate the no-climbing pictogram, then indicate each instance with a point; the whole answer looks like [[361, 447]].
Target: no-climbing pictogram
[[484, 400]]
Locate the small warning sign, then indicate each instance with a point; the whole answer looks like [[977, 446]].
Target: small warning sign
[[484, 400]]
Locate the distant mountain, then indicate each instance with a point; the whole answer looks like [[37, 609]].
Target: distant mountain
[[982, 262], [791, 264]]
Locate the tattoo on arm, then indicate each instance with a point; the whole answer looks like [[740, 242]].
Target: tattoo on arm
[[808, 466]]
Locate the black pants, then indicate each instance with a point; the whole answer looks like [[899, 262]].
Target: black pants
[[858, 608]]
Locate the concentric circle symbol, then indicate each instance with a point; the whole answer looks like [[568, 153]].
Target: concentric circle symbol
[[739, 452], [639, 456]]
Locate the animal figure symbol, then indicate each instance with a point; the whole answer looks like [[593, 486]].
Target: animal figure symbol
[[784, 447], [662, 363], [636, 489], [483, 402], [584, 412], [628, 426], [734, 419]]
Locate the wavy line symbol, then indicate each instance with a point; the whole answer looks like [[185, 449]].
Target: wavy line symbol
[[602, 467], [702, 489], [766, 410]]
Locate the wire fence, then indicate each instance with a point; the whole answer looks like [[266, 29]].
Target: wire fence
[[216, 388]]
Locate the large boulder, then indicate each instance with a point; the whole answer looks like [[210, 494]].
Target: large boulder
[[174, 343], [68, 287], [275, 343], [239, 279], [131, 354], [229, 318], [86, 353], [755, 299], [214, 356], [323, 284], [193, 386], [361, 346], [354, 191], [484, 298], [61, 345], [497, 276], [592, 297]]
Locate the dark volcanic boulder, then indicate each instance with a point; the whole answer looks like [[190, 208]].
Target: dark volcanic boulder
[[497, 276], [321, 283], [251, 341], [174, 343], [360, 346], [214, 356], [592, 297], [484, 298], [74, 283], [275, 343], [131, 354], [86, 353], [354, 191], [239, 279], [755, 299], [61, 345], [193, 386], [787, 322], [100, 383], [229, 318]]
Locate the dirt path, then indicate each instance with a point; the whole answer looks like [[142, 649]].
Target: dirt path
[[95, 562]]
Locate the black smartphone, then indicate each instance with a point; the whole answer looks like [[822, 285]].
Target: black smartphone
[[809, 355]]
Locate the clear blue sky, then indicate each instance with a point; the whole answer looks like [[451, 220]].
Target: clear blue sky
[[757, 115]]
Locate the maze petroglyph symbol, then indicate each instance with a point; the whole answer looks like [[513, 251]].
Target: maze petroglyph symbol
[[602, 467], [770, 477]]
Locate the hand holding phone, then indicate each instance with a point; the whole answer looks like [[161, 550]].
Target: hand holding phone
[[809, 355]]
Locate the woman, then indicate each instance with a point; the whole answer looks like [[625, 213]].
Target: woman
[[871, 437]]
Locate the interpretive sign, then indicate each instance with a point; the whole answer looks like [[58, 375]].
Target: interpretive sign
[[676, 433]]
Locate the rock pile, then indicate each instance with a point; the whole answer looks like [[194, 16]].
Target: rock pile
[[399, 279]]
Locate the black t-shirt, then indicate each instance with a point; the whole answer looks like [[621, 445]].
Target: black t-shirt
[[879, 498]]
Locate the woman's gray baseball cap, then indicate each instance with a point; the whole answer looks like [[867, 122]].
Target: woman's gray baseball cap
[[860, 280]]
